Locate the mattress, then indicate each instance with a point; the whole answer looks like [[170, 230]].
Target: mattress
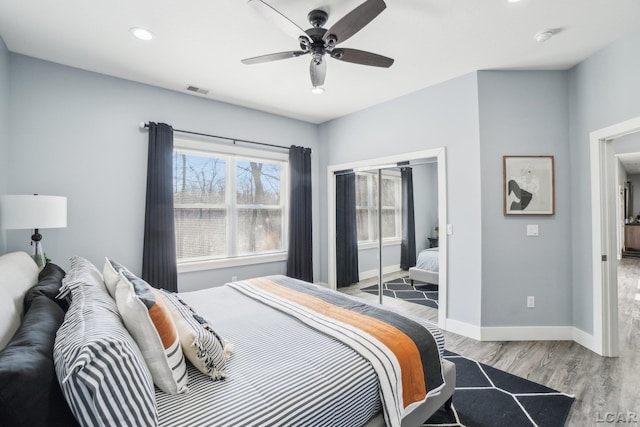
[[428, 259]]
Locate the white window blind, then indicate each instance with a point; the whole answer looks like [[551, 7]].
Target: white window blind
[[367, 207], [228, 205]]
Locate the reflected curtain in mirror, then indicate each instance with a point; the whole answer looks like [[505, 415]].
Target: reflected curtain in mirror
[[408, 246], [300, 251], [159, 251], [346, 230]]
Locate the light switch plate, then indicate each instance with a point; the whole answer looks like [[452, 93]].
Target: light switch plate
[[532, 230]]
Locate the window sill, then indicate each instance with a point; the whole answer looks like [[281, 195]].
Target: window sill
[[373, 245], [212, 264]]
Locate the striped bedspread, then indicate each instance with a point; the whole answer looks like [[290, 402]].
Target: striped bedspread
[[281, 373], [403, 353]]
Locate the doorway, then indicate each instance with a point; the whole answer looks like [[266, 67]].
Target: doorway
[[604, 206]]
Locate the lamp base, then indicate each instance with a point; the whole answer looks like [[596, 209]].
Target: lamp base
[[38, 254]]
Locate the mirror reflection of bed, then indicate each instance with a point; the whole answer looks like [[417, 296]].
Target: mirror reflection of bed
[[408, 221]]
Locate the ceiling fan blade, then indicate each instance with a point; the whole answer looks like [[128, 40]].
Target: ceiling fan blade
[[273, 57], [279, 19], [318, 72], [355, 20], [361, 57]]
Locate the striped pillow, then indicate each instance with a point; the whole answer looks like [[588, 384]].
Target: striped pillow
[[204, 348], [98, 364], [147, 318], [82, 273]]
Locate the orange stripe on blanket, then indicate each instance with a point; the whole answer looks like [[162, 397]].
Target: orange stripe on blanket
[[403, 347]]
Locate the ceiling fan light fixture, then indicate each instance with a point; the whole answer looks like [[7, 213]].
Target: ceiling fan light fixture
[[141, 33]]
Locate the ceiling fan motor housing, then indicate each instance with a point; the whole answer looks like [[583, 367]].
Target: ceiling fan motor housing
[[317, 18]]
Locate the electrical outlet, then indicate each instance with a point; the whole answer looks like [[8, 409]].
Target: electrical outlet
[[531, 302], [234, 278]]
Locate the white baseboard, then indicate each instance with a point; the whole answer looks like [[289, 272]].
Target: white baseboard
[[586, 340], [527, 333], [462, 328], [374, 273], [522, 333]]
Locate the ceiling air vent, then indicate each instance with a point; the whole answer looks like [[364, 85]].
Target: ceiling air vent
[[196, 89]]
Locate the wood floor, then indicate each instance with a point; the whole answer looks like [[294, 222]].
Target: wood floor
[[606, 389]]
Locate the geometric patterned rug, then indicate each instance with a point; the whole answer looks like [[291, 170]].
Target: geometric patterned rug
[[487, 396], [420, 293]]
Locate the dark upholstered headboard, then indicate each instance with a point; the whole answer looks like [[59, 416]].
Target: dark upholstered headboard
[[30, 394]]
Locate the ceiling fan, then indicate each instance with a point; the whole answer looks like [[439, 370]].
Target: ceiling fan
[[318, 41]]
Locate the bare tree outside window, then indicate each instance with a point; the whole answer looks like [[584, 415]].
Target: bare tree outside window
[[258, 199], [226, 206]]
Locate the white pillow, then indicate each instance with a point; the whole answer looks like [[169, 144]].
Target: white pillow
[[146, 316], [111, 274], [18, 273]]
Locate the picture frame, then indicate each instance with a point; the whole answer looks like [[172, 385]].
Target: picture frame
[[528, 185]]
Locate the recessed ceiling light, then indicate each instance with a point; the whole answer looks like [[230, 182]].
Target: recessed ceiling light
[[317, 90], [513, 1], [543, 36], [141, 33]]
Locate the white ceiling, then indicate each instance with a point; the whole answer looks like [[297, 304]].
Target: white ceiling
[[201, 43]]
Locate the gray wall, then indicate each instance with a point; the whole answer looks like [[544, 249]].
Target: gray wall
[[445, 115], [4, 129], [603, 90], [75, 133], [630, 144], [368, 258], [425, 199], [524, 113], [635, 197]]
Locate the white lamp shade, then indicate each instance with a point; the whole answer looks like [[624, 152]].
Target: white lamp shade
[[33, 211]]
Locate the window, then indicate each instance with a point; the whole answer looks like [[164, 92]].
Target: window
[[367, 207], [228, 205]]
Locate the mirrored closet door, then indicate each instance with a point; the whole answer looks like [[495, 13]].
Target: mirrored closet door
[[386, 219]]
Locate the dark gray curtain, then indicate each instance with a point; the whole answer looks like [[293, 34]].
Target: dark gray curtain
[[300, 256], [346, 230], [159, 251], [408, 246]]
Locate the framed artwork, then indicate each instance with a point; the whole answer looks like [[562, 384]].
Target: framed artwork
[[528, 185]]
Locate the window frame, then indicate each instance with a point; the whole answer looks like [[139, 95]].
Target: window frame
[[238, 153], [371, 209]]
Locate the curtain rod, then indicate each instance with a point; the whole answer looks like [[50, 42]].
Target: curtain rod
[[144, 125]]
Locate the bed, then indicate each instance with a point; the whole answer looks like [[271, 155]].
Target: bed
[[427, 266], [291, 353]]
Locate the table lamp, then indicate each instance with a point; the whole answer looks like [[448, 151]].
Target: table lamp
[[33, 212]]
